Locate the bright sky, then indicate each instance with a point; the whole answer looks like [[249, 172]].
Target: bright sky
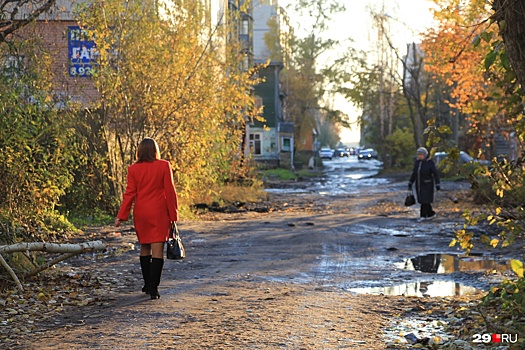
[[408, 18]]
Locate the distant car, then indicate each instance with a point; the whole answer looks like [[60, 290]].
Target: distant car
[[352, 151], [341, 152], [366, 154], [326, 153]]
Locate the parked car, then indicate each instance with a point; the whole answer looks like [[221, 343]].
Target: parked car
[[341, 152], [367, 153], [464, 158], [464, 165], [326, 153]]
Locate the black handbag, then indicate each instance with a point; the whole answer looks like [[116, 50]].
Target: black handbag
[[410, 199], [175, 249]]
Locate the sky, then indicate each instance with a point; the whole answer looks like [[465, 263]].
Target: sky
[[408, 18]]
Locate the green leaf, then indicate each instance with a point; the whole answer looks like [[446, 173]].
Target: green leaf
[[445, 129], [487, 36], [502, 26], [504, 61], [489, 60], [517, 267]]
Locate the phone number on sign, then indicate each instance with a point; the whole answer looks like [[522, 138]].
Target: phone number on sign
[[80, 71]]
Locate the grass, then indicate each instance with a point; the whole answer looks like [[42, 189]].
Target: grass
[[288, 175], [278, 174], [309, 173], [98, 218]]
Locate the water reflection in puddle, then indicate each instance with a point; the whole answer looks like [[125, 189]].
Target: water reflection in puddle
[[287, 190], [420, 289], [446, 263]]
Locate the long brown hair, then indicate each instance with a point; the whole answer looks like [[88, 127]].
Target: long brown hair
[[148, 150]]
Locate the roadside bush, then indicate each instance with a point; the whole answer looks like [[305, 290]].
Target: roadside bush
[[92, 194], [398, 150], [37, 154], [506, 304]]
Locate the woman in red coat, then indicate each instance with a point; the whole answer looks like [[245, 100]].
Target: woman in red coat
[[150, 187]]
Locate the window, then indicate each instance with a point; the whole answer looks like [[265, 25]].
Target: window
[[245, 27], [287, 144], [246, 63], [255, 144], [258, 102]]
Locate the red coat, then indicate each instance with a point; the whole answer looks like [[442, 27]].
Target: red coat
[[150, 187]]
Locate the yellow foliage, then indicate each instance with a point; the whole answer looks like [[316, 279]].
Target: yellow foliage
[[172, 78]]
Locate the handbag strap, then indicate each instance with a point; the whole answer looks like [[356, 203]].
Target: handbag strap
[[174, 231], [173, 228]]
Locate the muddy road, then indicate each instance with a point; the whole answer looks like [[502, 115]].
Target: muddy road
[[332, 263]]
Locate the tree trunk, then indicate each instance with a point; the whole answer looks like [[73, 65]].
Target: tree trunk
[[411, 90], [509, 15]]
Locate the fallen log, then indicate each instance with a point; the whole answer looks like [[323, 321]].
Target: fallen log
[[53, 247], [68, 251]]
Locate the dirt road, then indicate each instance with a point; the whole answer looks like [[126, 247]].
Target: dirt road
[[285, 279]]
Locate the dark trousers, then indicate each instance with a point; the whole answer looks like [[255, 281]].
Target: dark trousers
[[426, 210]]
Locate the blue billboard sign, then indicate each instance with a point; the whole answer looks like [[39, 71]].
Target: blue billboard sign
[[82, 52]]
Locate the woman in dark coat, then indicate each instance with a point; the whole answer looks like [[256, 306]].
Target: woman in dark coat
[[425, 175]]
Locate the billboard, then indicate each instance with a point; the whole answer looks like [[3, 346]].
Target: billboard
[[82, 52]]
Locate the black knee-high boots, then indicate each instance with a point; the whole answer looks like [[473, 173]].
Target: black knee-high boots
[[145, 266], [156, 272]]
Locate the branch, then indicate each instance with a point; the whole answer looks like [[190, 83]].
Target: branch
[[11, 272], [70, 250], [51, 263], [9, 27], [53, 247]]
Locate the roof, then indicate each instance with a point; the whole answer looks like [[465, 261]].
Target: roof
[[286, 127]]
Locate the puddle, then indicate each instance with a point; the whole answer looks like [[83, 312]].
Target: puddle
[[346, 176], [438, 264], [447, 263], [286, 190], [420, 289], [410, 230]]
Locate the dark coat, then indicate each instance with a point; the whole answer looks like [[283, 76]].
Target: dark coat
[[425, 176]]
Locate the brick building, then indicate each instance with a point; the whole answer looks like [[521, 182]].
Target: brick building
[[71, 53]]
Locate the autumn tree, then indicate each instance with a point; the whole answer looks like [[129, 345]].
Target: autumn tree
[[16, 14], [451, 58], [494, 99], [38, 145], [158, 77], [310, 82], [509, 16], [388, 85]]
